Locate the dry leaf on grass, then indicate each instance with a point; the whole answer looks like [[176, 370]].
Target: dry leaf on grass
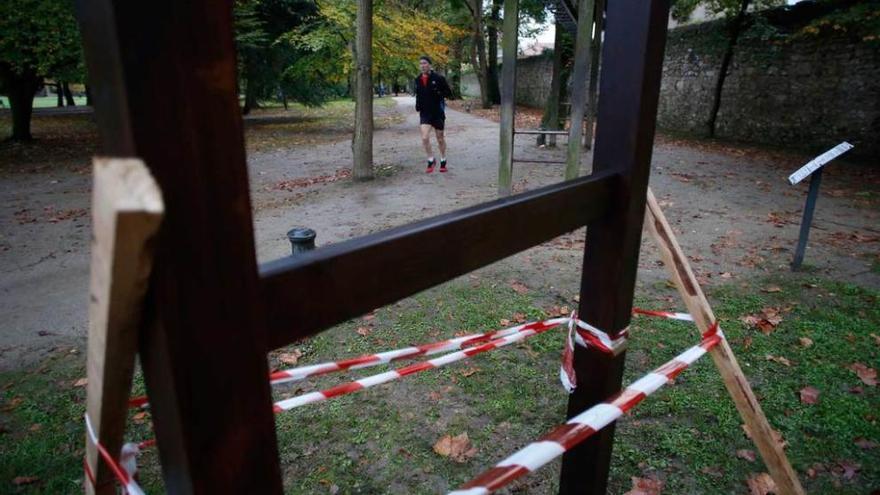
[[290, 358], [457, 448], [809, 395], [363, 331], [771, 288], [25, 480], [849, 469], [519, 287], [866, 374], [761, 484], [82, 382], [778, 359], [469, 371], [519, 317], [864, 443], [766, 320], [13, 403], [746, 454], [646, 486], [504, 322], [805, 342], [876, 338]]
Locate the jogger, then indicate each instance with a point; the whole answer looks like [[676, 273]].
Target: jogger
[[431, 90]]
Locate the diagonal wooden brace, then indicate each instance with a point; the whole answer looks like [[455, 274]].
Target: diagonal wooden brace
[[734, 379], [126, 212]]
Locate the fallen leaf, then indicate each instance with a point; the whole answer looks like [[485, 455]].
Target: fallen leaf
[[519, 317], [82, 382], [13, 403], [504, 322], [805, 342], [645, 486], [849, 469], [290, 358], [761, 484], [369, 317], [876, 338], [747, 342], [140, 417], [771, 289], [809, 395], [866, 374], [726, 275], [519, 287], [35, 427], [778, 359], [746, 454], [457, 448], [363, 331], [864, 443], [469, 371], [25, 480]]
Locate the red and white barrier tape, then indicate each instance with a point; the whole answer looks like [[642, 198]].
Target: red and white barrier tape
[[664, 314], [578, 428], [124, 470], [371, 381], [365, 361]]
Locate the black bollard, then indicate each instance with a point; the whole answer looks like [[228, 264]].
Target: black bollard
[[301, 239]]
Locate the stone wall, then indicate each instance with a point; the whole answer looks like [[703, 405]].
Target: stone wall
[[808, 93]]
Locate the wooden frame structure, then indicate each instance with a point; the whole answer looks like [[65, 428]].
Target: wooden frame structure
[[164, 84]]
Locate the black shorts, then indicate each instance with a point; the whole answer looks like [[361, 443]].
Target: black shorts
[[437, 121]]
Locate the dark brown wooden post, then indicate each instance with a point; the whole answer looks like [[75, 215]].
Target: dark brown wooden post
[[630, 85], [163, 79]]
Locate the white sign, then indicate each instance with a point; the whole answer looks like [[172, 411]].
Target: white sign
[[817, 162]]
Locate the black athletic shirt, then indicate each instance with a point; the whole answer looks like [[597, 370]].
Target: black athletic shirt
[[429, 99]]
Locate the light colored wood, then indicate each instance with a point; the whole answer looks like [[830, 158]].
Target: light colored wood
[[126, 212], [579, 79], [734, 379]]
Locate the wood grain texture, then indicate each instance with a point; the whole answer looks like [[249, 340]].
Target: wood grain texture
[[734, 379], [164, 78], [126, 213]]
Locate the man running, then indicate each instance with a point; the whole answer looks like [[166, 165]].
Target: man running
[[431, 89]]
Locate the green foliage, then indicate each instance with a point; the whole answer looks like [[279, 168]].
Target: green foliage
[[860, 20], [40, 37]]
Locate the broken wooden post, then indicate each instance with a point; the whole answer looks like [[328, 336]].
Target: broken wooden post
[[736, 382], [578, 94], [126, 213], [508, 92], [630, 89]]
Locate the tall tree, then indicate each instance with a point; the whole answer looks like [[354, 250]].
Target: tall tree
[[362, 143], [562, 53], [734, 13], [492, 56], [38, 39]]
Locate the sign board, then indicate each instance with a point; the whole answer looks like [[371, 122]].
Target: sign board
[[817, 162]]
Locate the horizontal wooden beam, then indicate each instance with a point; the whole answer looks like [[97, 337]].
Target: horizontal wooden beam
[[527, 160], [541, 131], [311, 292]]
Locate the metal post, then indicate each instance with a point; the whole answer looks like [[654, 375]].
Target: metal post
[[812, 196], [301, 239]]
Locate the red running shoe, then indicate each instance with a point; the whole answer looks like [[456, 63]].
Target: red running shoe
[[443, 165], [430, 167]]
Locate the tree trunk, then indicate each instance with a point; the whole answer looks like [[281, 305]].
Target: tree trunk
[[736, 27], [68, 95], [455, 80], [550, 119], [595, 56], [479, 52], [362, 144], [21, 89], [88, 96], [59, 93], [284, 99], [250, 90], [492, 54]]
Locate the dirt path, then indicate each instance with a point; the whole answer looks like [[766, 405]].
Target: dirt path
[[732, 207]]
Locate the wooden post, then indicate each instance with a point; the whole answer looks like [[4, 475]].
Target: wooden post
[[578, 94], [595, 52], [736, 382], [126, 212], [633, 55], [163, 76], [508, 92]]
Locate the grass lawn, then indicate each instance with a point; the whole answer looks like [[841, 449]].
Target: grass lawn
[[45, 101], [687, 435]]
